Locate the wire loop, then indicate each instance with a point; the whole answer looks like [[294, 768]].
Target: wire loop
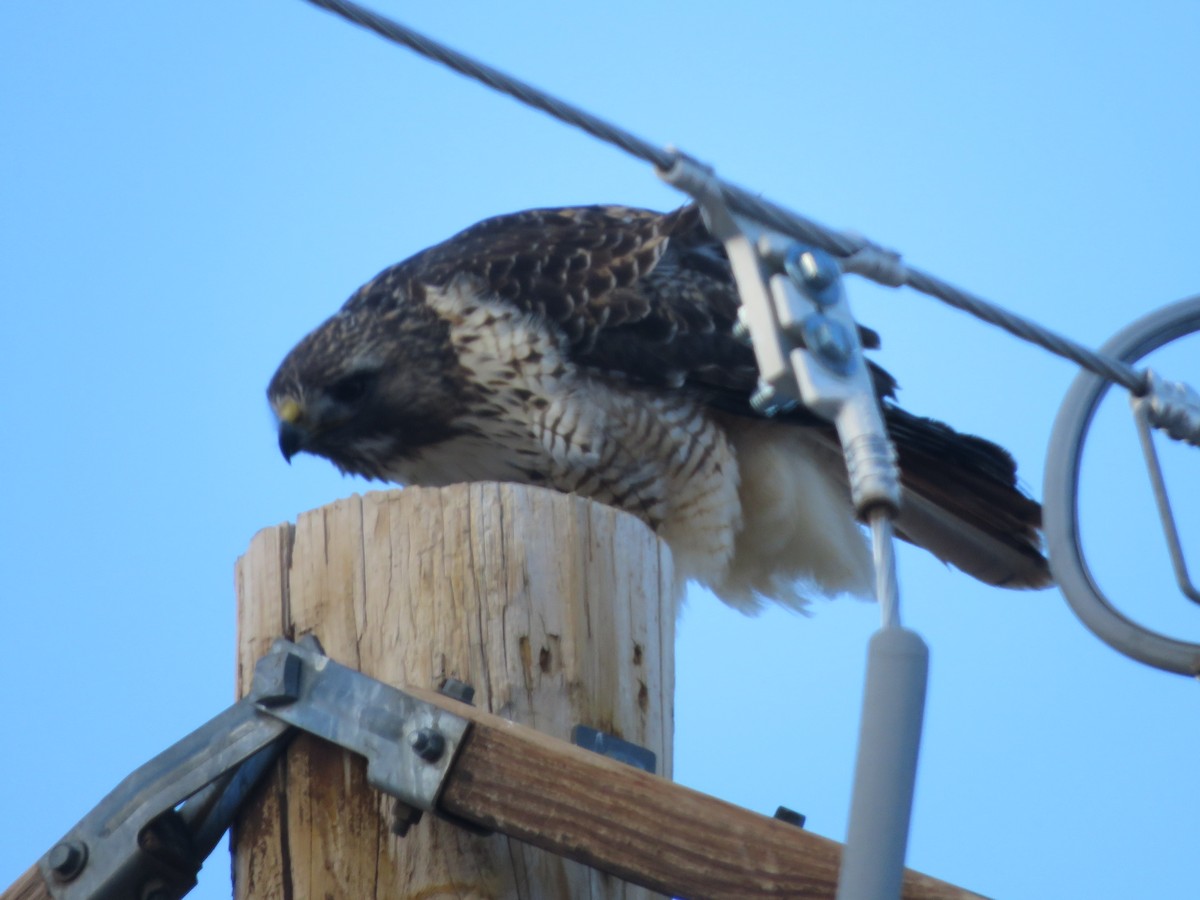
[[1061, 490]]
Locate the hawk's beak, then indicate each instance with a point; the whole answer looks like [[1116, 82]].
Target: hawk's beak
[[291, 440]]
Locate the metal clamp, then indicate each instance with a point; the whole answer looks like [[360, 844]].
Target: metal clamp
[[804, 336], [409, 743], [1173, 407], [149, 836]]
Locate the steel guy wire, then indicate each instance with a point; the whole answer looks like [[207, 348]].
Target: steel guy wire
[[864, 256]]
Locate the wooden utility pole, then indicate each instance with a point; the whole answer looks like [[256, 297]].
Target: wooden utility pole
[[559, 611]]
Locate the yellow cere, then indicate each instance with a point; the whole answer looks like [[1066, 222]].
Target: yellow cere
[[290, 411]]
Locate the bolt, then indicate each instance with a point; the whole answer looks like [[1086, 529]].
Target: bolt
[[763, 400], [830, 341], [790, 816], [428, 743], [741, 333], [457, 690], [767, 402], [404, 817], [811, 268], [815, 272], [68, 859]]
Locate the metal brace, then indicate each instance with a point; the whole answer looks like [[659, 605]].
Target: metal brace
[[147, 839], [1144, 418]]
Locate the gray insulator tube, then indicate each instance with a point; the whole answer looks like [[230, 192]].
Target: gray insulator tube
[[890, 737]]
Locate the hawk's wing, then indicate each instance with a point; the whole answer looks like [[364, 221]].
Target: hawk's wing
[[649, 297], [640, 295]]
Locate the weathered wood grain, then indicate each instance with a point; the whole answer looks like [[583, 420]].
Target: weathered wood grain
[[639, 826], [558, 610]]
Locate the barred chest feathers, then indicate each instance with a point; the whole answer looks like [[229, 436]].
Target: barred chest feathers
[[538, 418]]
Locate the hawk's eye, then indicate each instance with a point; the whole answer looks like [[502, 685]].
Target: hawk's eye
[[352, 388]]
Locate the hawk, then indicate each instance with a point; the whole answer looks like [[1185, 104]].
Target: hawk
[[589, 350]]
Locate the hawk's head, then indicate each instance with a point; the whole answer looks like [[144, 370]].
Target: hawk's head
[[375, 383]]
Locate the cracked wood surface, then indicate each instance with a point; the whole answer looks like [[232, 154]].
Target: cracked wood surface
[[558, 610]]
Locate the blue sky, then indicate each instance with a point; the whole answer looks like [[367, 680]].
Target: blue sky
[[187, 188]]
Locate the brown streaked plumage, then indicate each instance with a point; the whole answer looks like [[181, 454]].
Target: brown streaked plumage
[[589, 350]]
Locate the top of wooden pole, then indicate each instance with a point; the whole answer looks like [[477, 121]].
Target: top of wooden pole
[[558, 610]]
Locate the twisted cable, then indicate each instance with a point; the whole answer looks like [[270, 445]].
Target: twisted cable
[[865, 257]]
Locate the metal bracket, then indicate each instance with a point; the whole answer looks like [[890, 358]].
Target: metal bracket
[[614, 748], [147, 839], [133, 842], [409, 743]]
